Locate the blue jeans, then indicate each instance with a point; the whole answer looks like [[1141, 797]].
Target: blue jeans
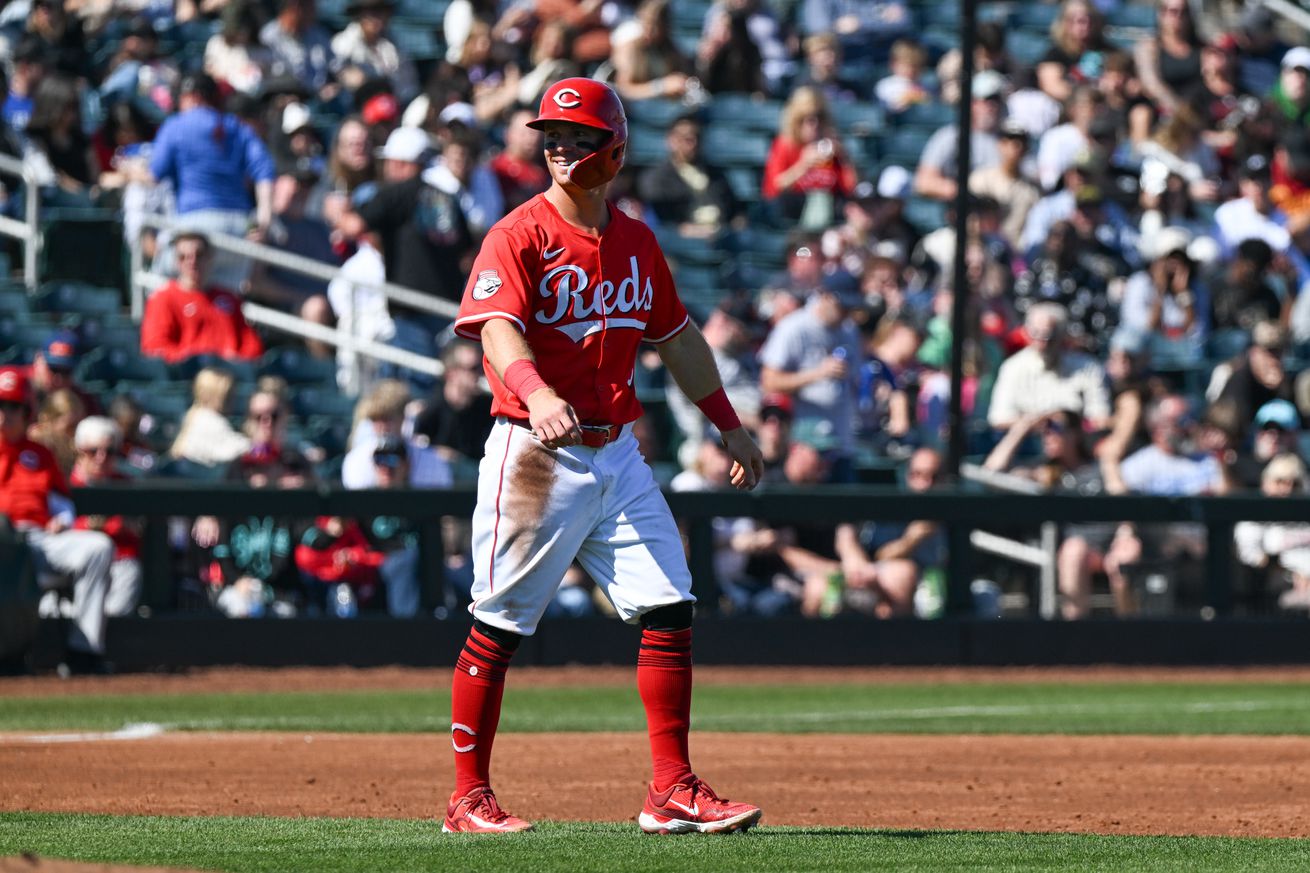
[[399, 572]]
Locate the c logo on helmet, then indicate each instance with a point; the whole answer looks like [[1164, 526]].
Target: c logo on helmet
[[8, 381], [564, 101]]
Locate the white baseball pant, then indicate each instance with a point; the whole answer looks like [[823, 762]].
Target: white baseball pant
[[539, 508]]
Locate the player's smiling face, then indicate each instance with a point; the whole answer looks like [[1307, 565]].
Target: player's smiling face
[[566, 143]]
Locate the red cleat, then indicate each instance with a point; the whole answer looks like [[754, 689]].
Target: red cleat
[[478, 813], [693, 807]]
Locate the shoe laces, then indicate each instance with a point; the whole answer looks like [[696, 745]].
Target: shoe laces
[[697, 786], [487, 807]]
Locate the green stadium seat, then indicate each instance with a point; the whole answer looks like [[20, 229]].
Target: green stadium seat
[[298, 367], [323, 401], [727, 147], [858, 118], [80, 298], [657, 113], [186, 370], [14, 300], [114, 365], [1027, 46], [929, 116], [1136, 15], [1037, 16], [646, 145], [418, 40], [745, 183], [427, 11], [745, 112], [903, 147]]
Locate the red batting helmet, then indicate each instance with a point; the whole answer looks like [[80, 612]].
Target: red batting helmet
[[592, 104]]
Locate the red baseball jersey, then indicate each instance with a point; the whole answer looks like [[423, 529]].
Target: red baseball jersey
[[28, 473], [584, 304]]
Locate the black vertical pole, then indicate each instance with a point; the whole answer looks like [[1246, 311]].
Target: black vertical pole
[[957, 592]]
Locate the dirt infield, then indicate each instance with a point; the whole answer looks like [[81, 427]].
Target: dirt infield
[[1213, 785], [33, 864]]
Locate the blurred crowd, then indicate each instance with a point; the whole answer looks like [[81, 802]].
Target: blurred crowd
[[1139, 203]]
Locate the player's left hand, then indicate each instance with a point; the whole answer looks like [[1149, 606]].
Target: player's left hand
[[747, 462]]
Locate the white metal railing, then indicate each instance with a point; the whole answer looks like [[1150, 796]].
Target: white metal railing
[[1293, 13], [27, 231], [1042, 556], [144, 281]]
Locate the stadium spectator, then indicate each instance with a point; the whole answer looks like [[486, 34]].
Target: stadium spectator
[[685, 192], [1060, 146], [647, 62], [397, 539], [1075, 271], [27, 66], [209, 155], [807, 168], [588, 24], [794, 561], [935, 175], [774, 435], [1170, 61], [460, 171], [53, 367], [301, 46], [990, 54], [1178, 148], [904, 87], [764, 30], [99, 446], [1132, 113], [729, 59], [205, 436], [866, 27], [1251, 215], [1262, 49], [1065, 462], [1166, 303], [59, 153], [1006, 183], [294, 142], [349, 170], [338, 566], [297, 232], [728, 330], [883, 562], [234, 55], [1256, 376], [269, 460], [135, 447], [381, 413], [458, 21], [139, 71], [518, 166], [814, 355], [456, 419], [363, 51], [1283, 547], [56, 423], [1243, 295], [188, 316], [425, 238], [62, 38], [1094, 215], [34, 496], [1077, 52], [882, 395], [823, 59], [1045, 376]]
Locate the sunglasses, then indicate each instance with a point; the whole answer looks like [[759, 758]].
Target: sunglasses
[[266, 416]]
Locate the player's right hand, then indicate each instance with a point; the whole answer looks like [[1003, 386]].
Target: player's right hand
[[553, 420]]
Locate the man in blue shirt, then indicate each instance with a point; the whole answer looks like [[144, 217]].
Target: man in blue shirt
[[211, 158]]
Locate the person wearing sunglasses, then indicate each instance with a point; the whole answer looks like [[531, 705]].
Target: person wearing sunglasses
[[1281, 549], [98, 441]]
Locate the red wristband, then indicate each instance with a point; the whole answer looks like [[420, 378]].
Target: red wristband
[[522, 378], [718, 409]]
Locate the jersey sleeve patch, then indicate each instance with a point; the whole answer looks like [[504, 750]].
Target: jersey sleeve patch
[[488, 284]]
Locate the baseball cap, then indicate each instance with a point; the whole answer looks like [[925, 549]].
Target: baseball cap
[[1256, 167], [458, 113], [13, 386], [295, 116], [390, 452], [1012, 128], [776, 405], [845, 287], [405, 144], [987, 84], [60, 350], [1166, 241], [1088, 195], [894, 183], [1297, 58], [1278, 412], [380, 108]]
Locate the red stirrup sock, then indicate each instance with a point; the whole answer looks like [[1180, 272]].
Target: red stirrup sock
[[664, 682], [475, 699]]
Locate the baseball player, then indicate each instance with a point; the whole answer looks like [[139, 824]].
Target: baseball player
[[563, 291]]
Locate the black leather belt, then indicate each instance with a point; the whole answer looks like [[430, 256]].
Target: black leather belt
[[594, 436]]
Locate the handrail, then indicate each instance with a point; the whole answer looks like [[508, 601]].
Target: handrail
[[1298, 16], [1044, 557], [287, 323], [27, 231], [308, 266]]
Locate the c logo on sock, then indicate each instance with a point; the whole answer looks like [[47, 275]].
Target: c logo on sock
[[456, 726]]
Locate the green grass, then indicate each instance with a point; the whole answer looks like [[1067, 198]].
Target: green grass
[[250, 845], [1103, 708]]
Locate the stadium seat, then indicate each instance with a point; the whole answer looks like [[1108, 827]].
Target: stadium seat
[[747, 113], [657, 113], [1136, 15], [1037, 16], [729, 147], [114, 365], [1027, 46], [427, 11], [14, 300], [298, 367], [323, 401], [76, 297], [903, 147], [927, 215], [929, 116], [82, 245], [745, 183], [418, 40], [691, 250], [858, 118], [646, 146]]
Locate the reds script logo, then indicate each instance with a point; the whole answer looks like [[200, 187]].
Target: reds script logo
[[568, 98], [569, 285], [8, 381]]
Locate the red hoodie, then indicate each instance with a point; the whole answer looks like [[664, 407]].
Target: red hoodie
[[348, 558]]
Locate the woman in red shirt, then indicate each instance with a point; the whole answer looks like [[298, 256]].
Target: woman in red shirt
[[807, 167]]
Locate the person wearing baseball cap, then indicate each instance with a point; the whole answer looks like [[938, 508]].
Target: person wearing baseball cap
[[935, 175], [1006, 183], [34, 496], [1292, 93], [425, 237], [363, 50], [52, 369]]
